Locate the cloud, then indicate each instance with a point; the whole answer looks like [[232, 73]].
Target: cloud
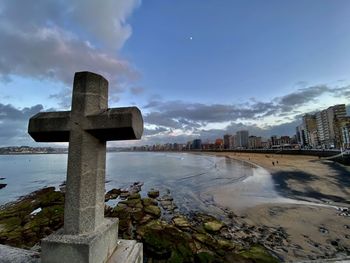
[[10, 113], [53, 39], [136, 90], [14, 123], [302, 96], [192, 118], [158, 130]]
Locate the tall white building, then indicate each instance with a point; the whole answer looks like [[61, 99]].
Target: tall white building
[[242, 139], [325, 124]]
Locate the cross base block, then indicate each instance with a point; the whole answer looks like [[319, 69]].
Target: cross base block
[[94, 247]]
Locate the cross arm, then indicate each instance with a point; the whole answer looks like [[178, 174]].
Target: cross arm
[[116, 124], [50, 126]]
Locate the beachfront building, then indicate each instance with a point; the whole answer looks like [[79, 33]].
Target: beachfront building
[[242, 139], [197, 144], [219, 144], [301, 135], [254, 142], [342, 132], [228, 142], [325, 120], [310, 129]]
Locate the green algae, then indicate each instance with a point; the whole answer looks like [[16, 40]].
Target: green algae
[[259, 254]]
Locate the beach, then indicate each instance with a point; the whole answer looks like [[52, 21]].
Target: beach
[[311, 192]]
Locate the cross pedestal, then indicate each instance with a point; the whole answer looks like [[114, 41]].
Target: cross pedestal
[[87, 236]]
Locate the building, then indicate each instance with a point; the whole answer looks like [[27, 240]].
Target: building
[[310, 130], [219, 144], [228, 141], [342, 132], [274, 141], [254, 142], [242, 139], [325, 120], [196, 144]]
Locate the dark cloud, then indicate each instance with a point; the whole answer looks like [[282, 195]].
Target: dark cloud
[[10, 113], [14, 123], [178, 113], [301, 97]]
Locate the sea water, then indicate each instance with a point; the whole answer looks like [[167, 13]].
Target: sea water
[[184, 175]]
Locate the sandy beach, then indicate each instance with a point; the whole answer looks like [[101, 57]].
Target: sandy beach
[[309, 192]]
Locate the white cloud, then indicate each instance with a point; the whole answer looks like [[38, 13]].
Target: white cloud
[[52, 39]]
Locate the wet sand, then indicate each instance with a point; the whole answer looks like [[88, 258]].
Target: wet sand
[[315, 231]]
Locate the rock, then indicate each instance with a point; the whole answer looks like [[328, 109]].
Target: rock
[[165, 242], [137, 214], [206, 240], [181, 222], [213, 226], [2, 186], [153, 193], [121, 211], [134, 196], [132, 203], [226, 245], [323, 230], [135, 187], [112, 194], [153, 210], [145, 219], [124, 194], [334, 243], [258, 253], [149, 201], [167, 197], [204, 257], [224, 232], [20, 228]]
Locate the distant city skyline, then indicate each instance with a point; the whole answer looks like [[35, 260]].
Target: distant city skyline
[[196, 69]]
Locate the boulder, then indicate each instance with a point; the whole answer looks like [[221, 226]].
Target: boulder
[[213, 226], [153, 210], [153, 193]]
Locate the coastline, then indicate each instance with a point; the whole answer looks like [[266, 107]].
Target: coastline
[[314, 230]]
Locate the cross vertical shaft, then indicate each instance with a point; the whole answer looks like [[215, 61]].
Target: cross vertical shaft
[[87, 237], [84, 206]]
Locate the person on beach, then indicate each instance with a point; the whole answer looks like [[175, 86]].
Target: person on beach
[[273, 163]]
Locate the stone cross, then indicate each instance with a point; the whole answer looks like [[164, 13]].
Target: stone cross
[[87, 127]]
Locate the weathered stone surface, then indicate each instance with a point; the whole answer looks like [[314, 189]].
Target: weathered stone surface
[[87, 127], [17, 255], [95, 247], [128, 251]]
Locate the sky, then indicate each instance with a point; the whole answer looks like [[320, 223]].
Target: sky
[[195, 68]]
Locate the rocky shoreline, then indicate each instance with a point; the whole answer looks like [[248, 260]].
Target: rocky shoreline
[[167, 235]]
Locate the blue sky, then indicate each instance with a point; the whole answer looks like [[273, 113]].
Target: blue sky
[[195, 68]]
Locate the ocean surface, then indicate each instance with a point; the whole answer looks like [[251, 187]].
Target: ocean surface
[[189, 177]]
